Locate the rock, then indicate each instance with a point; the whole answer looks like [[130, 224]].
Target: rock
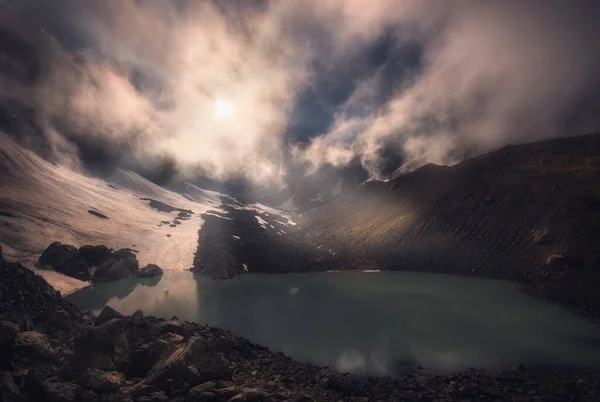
[[8, 332], [8, 388], [228, 392], [98, 214], [145, 356], [543, 237], [57, 255], [562, 261], [102, 382], [204, 392], [94, 255], [138, 314], [193, 362], [149, 271], [103, 347], [120, 269], [124, 254], [107, 314], [53, 391], [253, 395], [76, 268], [31, 345], [175, 326]]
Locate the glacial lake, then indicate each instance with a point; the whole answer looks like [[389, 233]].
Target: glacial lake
[[373, 323]]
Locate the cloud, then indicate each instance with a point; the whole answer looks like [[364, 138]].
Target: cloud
[[397, 83], [495, 73]]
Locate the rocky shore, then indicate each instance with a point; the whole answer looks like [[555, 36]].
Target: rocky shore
[[51, 351]]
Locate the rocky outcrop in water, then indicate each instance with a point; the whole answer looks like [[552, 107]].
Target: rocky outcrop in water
[[50, 351], [96, 263]]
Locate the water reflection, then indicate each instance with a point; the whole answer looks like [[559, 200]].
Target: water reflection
[[366, 322]]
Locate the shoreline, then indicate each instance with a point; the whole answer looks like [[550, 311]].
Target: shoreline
[[74, 356]]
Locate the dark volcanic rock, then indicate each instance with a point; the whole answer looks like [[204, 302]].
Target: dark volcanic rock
[[77, 268], [104, 347], [193, 362], [121, 269], [98, 214], [25, 298], [55, 391], [161, 206], [101, 381], [8, 389], [107, 314], [57, 255], [124, 254], [33, 346], [8, 332], [149, 271], [94, 255]]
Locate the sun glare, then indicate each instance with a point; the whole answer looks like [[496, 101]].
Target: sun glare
[[222, 108]]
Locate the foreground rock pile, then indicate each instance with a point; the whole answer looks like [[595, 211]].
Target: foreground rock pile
[[50, 351], [95, 262]]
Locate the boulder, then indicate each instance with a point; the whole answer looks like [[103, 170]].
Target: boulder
[[145, 356], [102, 382], [124, 253], [193, 362], [58, 254], [31, 345], [149, 271], [94, 255], [120, 269], [107, 314], [8, 389], [104, 347], [8, 332], [76, 268], [253, 395], [138, 314], [100, 271], [55, 391]]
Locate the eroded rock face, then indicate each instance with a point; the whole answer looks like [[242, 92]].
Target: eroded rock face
[[149, 271]]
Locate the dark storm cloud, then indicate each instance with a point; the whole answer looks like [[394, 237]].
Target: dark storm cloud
[[247, 89]]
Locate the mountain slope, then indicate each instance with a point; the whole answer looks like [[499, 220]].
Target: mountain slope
[[529, 213], [41, 202]]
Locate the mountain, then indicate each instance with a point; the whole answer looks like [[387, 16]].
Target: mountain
[[41, 202], [529, 213]]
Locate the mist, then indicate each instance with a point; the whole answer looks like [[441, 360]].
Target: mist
[[256, 90]]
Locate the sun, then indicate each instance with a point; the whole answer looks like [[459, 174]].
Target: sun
[[222, 108]]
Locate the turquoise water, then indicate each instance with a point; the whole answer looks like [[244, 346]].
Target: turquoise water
[[368, 322]]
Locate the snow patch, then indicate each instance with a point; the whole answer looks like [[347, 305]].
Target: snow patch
[[261, 221]]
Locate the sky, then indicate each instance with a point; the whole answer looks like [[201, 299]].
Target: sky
[[257, 89]]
